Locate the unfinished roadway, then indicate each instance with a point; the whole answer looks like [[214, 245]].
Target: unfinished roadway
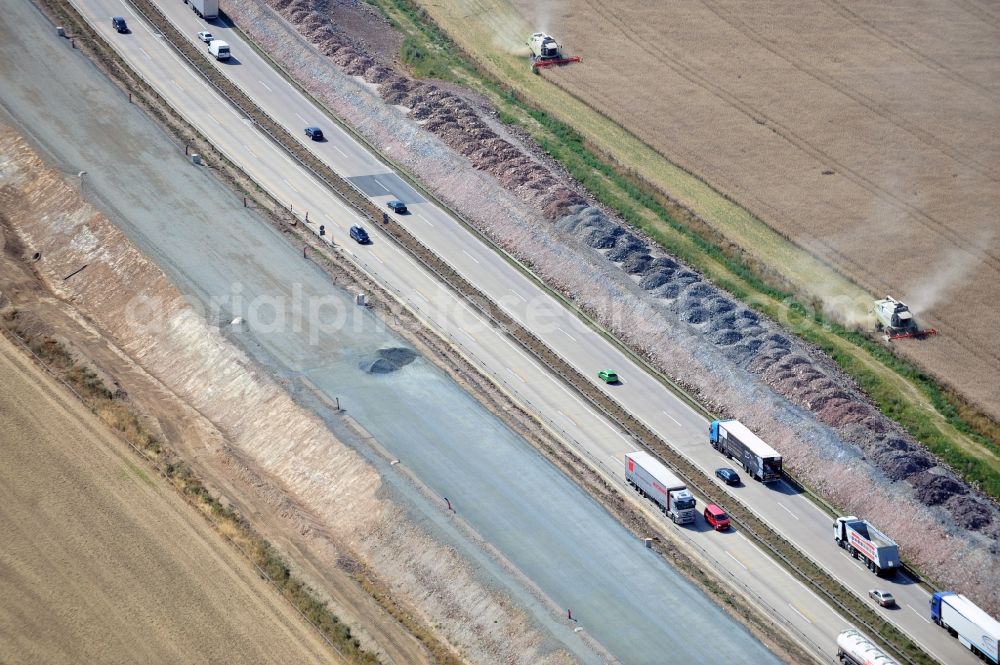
[[683, 427]]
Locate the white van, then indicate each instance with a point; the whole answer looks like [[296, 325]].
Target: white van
[[219, 49]]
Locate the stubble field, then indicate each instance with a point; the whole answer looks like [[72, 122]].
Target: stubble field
[[107, 563], [863, 133]]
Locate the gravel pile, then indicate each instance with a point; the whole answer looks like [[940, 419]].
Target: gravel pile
[[792, 370], [387, 360]]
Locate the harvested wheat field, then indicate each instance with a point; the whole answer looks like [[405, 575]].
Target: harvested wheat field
[[863, 132], [101, 562]]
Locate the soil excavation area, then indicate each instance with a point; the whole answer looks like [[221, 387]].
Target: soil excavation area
[[863, 132], [107, 563]]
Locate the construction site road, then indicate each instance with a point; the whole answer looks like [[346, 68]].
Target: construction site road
[[535, 537], [584, 348]]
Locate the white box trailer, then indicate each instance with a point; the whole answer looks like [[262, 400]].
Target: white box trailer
[[974, 628], [653, 480], [207, 9], [853, 648]]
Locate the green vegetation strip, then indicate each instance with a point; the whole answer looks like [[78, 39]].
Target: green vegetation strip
[[848, 604], [953, 429]]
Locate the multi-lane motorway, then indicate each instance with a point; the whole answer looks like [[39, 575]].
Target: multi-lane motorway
[[600, 443]]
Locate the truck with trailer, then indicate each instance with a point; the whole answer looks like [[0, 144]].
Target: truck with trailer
[[207, 9], [853, 648], [879, 552], [654, 481], [733, 439], [974, 628]]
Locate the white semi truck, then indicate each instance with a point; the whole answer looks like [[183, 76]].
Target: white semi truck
[[853, 648], [974, 628], [879, 552], [653, 480], [207, 9], [733, 439]]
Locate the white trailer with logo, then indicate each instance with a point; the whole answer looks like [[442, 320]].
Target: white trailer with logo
[[653, 480]]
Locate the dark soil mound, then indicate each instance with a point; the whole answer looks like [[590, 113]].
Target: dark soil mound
[[387, 360]]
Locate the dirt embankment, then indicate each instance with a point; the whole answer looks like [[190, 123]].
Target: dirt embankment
[[270, 448], [92, 543], [738, 362]]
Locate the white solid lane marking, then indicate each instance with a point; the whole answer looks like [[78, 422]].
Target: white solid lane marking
[[566, 333], [799, 613], [788, 511], [918, 613], [266, 86], [672, 418], [739, 562], [470, 256]]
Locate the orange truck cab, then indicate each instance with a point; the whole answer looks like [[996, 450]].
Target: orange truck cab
[[716, 517]]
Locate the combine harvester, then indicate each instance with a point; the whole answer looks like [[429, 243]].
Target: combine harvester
[[895, 321], [545, 52]]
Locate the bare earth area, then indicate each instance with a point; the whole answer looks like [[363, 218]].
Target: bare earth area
[[107, 563], [863, 132]]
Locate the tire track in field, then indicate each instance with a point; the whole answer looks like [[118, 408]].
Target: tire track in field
[[979, 12], [687, 72], [922, 135], [927, 61]]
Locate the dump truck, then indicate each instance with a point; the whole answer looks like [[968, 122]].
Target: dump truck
[[733, 439], [545, 52], [974, 628], [207, 9], [879, 552], [853, 648], [654, 481], [895, 320]]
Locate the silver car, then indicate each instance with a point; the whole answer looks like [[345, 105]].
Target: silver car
[[883, 598], [205, 36]]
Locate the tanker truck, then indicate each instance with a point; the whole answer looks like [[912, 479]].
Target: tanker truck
[[879, 552], [653, 481], [853, 648], [974, 628]]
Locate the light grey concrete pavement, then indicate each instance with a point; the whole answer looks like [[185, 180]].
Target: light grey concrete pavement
[[600, 442], [572, 550]]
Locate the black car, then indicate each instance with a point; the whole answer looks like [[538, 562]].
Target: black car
[[360, 235], [118, 23], [728, 476], [397, 206], [315, 133]]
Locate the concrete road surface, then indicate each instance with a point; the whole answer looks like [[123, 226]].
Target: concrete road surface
[[600, 442], [570, 547]]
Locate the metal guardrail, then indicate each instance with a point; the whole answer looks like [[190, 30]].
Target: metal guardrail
[[610, 408]]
